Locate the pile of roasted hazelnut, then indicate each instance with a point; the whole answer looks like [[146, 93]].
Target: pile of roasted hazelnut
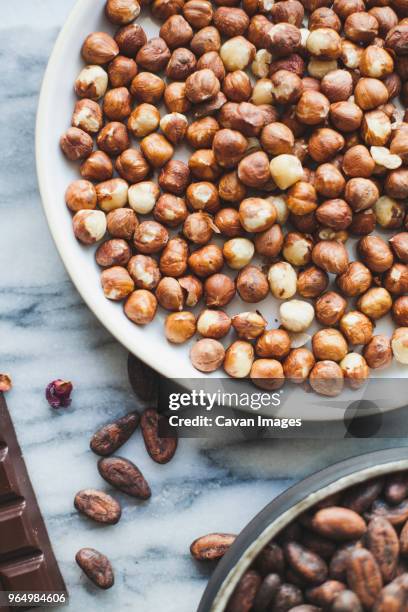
[[296, 146]]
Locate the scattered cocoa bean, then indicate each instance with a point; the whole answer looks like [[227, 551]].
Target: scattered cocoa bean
[[96, 566], [98, 506], [211, 546], [160, 450], [143, 380], [111, 436], [125, 476]]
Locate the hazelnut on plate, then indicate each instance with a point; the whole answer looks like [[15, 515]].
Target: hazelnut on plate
[[173, 260], [121, 223], [238, 252], [357, 327], [267, 374], [330, 307], [144, 271], [248, 325], [286, 170], [89, 225], [355, 280], [207, 355], [87, 116], [81, 195], [296, 315], [219, 290], [116, 283], [252, 284], [282, 280], [112, 194], [150, 237], [312, 282], [269, 243], [375, 303], [213, 324], [256, 214], [399, 345], [375, 253], [399, 244], [239, 358], [378, 352], [141, 307], [206, 261], [355, 370], [400, 311], [114, 252], [76, 144], [330, 344], [298, 365], [193, 289], [326, 378], [92, 82], [180, 327], [273, 343], [97, 167], [99, 48], [330, 255], [122, 12]]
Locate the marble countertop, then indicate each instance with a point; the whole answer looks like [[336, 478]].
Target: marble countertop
[[47, 332]]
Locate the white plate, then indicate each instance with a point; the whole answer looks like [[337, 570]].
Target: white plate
[[55, 173]]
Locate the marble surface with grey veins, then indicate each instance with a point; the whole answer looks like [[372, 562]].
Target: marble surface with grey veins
[[47, 332]]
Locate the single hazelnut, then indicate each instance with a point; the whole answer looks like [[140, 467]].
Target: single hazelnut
[[203, 196], [350, 54], [97, 167], [117, 104], [396, 39], [245, 117], [288, 11], [173, 260], [81, 195], [122, 70], [150, 237], [274, 344], [219, 290], [302, 198], [357, 162], [256, 214], [176, 32], [389, 212], [198, 228], [287, 86], [262, 93], [92, 83], [310, 83], [144, 120], [122, 12], [212, 61], [113, 138], [237, 53], [318, 68], [148, 88], [252, 284], [174, 177], [114, 252], [361, 193], [267, 374], [370, 93], [258, 29], [326, 378], [330, 255], [157, 150], [399, 345], [312, 282], [169, 294], [132, 166], [269, 243], [375, 303], [237, 86], [76, 144], [282, 280], [298, 365], [229, 146], [282, 211], [355, 370], [330, 307], [396, 184], [144, 271], [399, 145], [346, 116], [121, 223], [230, 188], [87, 116], [261, 63], [375, 253], [207, 260], [324, 144], [329, 181], [254, 170], [231, 21], [324, 43], [335, 214], [283, 39], [203, 165], [116, 283], [154, 55], [296, 315], [174, 126], [170, 210], [143, 196], [277, 139], [399, 244], [286, 170], [205, 40], [361, 27], [400, 311], [89, 225], [376, 128], [307, 224], [130, 39], [213, 324], [376, 62], [200, 134], [99, 48], [357, 328], [193, 290], [180, 327], [239, 358], [181, 64], [324, 17], [202, 85], [199, 13], [112, 194], [238, 252], [330, 344], [141, 307], [396, 279], [297, 248], [207, 355], [378, 352], [162, 9], [355, 280]]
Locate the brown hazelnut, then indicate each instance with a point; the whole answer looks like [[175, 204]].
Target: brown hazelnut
[[329, 344], [256, 214], [337, 86], [193, 290], [329, 181], [122, 12], [97, 167], [81, 195], [400, 311], [376, 62], [396, 184], [355, 370], [237, 86], [169, 294], [396, 279], [269, 243], [162, 9], [132, 166], [324, 43], [273, 343], [249, 325], [361, 193], [375, 303], [122, 70], [130, 39], [121, 223], [277, 138], [399, 244], [399, 145], [288, 11], [200, 134], [199, 13], [230, 188], [331, 256], [393, 84], [116, 283], [207, 355], [117, 104], [209, 107], [306, 224], [326, 378], [141, 307], [99, 48], [396, 39], [203, 165], [357, 328], [324, 144], [213, 324], [87, 116], [361, 27], [174, 177], [297, 248], [378, 352], [357, 162], [205, 40], [399, 345], [206, 261], [292, 63], [310, 83], [198, 227], [286, 87], [267, 374], [239, 357], [115, 252], [89, 226], [376, 128], [375, 253], [335, 214], [203, 196], [324, 17], [363, 223], [283, 39], [344, 8], [180, 327], [154, 55], [181, 64], [355, 280], [258, 29], [350, 54], [312, 282], [113, 139], [157, 150], [330, 307], [219, 290], [231, 21], [144, 120], [298, 364], [212, 61], [245, 117], [202, 85], [253, 170], [173, 260], [229, 146], [76, 144], [144, 271], [170, 210], [252, 284], [302, 198], [147, 87], [176, 32], [112, 194], [150, 237], [389, 212], [346, 116], [370, 93]]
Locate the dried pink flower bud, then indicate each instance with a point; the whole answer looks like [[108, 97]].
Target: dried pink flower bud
[[5, 383], [58, 393]]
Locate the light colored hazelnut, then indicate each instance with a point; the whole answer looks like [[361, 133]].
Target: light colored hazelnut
[[173, 260], [200, 134], [261, 63], [237, 53], [92, 82], [356, 279], [207, 260], [286, 170], [180, 327], [330, 344], [115, 252], [97, 167], [395, 279], [132, 166], [144, 120], [252, 284], [169, 294], [89, 225], [81, 195], [330, 307], [256, 214], [143, 196], [384, 158], [267, 374], [199, 227], [326, 378], [375, 253], [318, 68], [297, 248], [121, 223], [389, 212], [112, 194], [238, 252], [298, 365], [144, 271], [203, 196], [213, 324], [87, 116], [324, 43], [376, 128], [376, 62], [219, 290], [312, 282], [324, 144], [282, 280], [203, 165], [121, 71], [378, 352], [147, 87], [239, 358], [207, 355], [122, 12], [357, 327], [355, 370], [331, 256], [399, 345], [193, 290], [296, 315], [99, 48], [249, 325], [302, 198], [282, 211], [375, 303], [174, 126], [350, 54], [274, 344], [357, 162], [116, 283], [361, 193], [141, 307], [286, 87], [76, 144], [113, 138]]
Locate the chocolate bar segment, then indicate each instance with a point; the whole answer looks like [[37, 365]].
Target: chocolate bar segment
[[27, 562]]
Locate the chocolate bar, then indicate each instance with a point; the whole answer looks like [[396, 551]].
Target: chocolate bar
[[27, 562]]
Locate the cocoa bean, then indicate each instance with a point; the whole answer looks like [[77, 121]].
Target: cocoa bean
[[346, 601], [98, 506], [404, 539], [360, 497], [270, 560], [243, 597], [96, 566], [125, 476], [396, 488], [266, 593], [383, 543], [338, 563], [287, 597], [306, 563], [339, 523], [111, 436], [324, 594], [364, 576], [393, 597], [397, 515], [160, 449], [318, 544], [211, 546], [143, 380]]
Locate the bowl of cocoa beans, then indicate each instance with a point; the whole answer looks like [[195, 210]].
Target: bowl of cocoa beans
[[335, 542]]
